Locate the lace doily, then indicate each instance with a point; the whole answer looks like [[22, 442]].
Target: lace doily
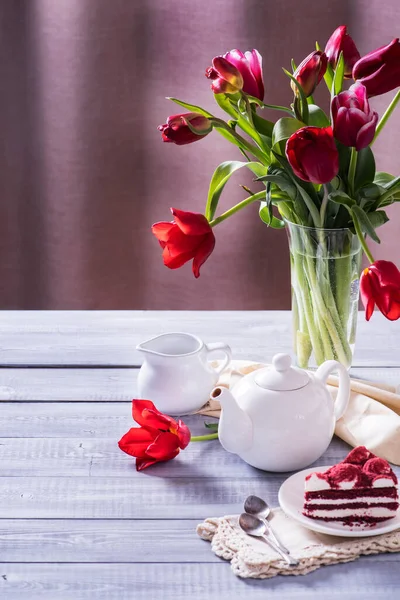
[[251, 557]]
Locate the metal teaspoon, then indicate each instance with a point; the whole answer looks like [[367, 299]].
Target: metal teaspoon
[[254, 526], [259, 508]]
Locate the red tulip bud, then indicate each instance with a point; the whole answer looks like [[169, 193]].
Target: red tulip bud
[[312, 154], [310, 72], [354, 122], [339, 42], [380, 285], [177, 130], [379, 70]]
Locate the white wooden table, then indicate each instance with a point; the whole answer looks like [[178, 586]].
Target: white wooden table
[[78, 522]]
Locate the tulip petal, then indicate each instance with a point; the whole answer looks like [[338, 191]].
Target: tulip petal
[[162, 230], [366, 133], [369, 309], [386, 272], [191, 223], [164, 447], [202, 253], [146, 414], [220, 86], [136, 441], [183, 433], [228, 71], [178, 260], [143, 463], [255, 62], [239, 60]]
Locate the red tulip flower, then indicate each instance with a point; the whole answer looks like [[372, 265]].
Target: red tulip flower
[[354, 122], [159, 437], [177, 131], [237, 71], [380, 285], [312, 154], [379, 70], [310, 72], [340, 41], [189, 236]]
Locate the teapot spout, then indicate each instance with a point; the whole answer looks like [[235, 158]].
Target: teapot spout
[[235, 429]]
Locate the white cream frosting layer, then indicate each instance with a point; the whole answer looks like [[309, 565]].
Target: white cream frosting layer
[[341, 501]]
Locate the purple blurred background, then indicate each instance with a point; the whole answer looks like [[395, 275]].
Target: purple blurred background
[[84, 173]]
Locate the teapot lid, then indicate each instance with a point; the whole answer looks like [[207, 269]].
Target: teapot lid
[[282, 376]]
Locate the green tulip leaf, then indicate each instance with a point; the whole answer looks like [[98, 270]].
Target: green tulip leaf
[[340, 197], [265, 211], [280, 179], [378, 218], [282, 131], [360, 216], [383, 179], [263, 126], [268, 218], [338, 77], [365, 170], [221, 177], [318, 117], [191, 107], [370, 191]]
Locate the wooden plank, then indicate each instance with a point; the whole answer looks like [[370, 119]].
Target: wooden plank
[[64, 457], [82, 541], [128, 541], [61, 384], [107, 384], [369, 578], [148, 496], [65, 419], [110, 337]]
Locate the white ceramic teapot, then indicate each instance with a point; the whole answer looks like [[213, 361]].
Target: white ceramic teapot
[[281, 418]]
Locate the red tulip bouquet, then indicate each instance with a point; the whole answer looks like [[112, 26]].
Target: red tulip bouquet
[[318, 179]]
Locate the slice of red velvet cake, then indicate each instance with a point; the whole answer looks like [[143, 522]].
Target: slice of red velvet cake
[[360, 489]]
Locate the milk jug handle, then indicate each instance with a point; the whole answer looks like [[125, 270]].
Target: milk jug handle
[[224, 349], [343, 396]]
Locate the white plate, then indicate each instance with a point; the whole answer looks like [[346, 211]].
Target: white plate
[[291, 499]]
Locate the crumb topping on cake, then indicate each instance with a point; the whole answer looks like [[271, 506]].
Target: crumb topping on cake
[[360, 469]]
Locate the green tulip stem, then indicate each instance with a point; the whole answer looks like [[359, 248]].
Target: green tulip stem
[[248, 108], [324, 204], [204, 438], [363, 243], [394, 190], [242, 142], [352, 170], [237, 207], [386, 115]]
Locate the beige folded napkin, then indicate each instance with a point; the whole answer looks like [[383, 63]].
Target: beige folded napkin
[[372, 418], [252, 557]]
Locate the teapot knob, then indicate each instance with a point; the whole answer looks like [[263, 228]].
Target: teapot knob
[[282, 362]]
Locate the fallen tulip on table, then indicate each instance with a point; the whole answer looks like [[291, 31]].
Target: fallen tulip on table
[[159, 438]]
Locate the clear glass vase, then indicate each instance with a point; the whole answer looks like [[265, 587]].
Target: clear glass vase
[[325, 272]]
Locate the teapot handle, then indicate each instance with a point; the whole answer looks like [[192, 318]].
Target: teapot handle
[[343, 396], [225, 349]]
